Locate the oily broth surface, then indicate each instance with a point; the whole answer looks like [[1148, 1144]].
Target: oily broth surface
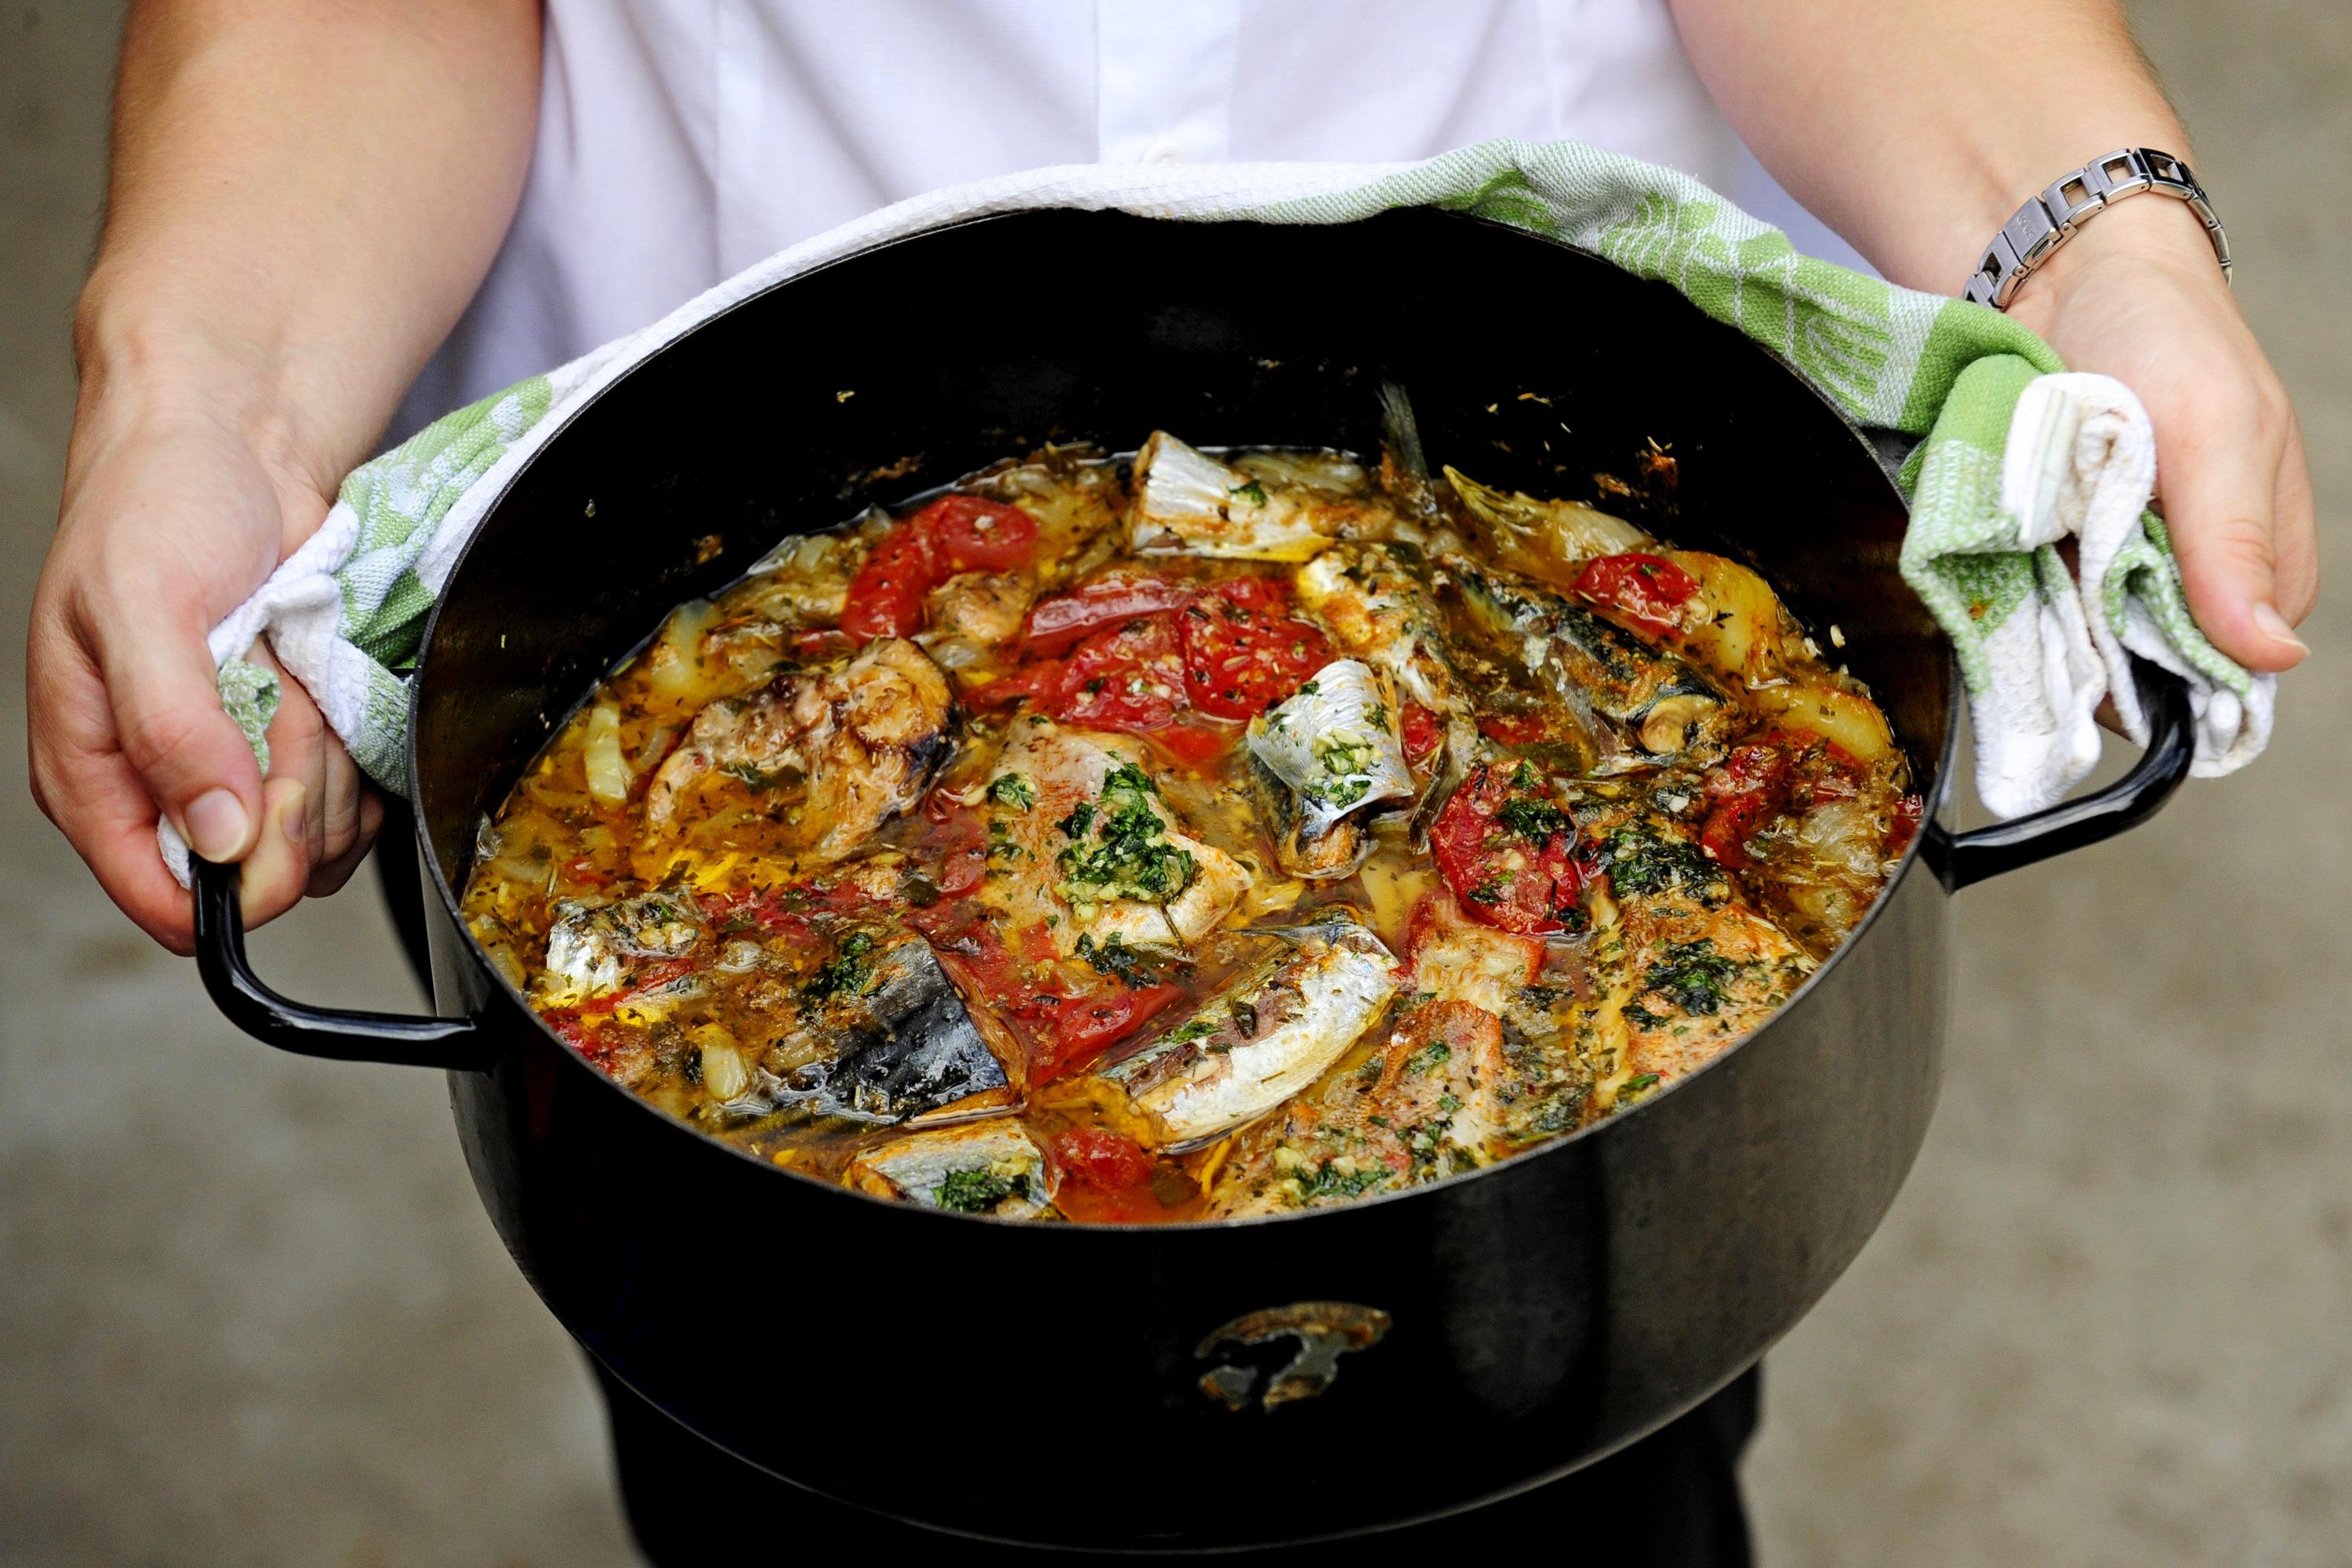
[[558, 841]]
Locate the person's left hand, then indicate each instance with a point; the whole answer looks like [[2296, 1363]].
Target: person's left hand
[[2137, 295]]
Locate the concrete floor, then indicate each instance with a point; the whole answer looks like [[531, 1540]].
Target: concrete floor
[[254, 1314]]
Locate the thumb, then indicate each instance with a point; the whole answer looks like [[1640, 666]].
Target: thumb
[[194, 762], [2217, 489]]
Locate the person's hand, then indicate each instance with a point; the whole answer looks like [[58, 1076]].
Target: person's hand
[[2137, 295], [176, 508]]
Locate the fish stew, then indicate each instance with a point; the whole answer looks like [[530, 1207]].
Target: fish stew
[[1192, 835]]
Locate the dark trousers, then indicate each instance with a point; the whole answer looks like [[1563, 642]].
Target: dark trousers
[[1671, 1500]]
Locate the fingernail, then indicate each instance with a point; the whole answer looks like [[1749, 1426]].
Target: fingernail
[[294, 818], [216, 825], [2274, 628]]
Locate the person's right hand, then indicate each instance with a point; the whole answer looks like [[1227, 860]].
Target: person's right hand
[[176, 508]]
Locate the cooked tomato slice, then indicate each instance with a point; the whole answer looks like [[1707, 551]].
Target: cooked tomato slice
[[1195, 742], [1744, 793], [1116, 593], [1067, 1032], [1505, 849], [1101, 1159], [1420, 731], [970, 535], [1040, 682], [885, 597], [1127, 677], [1243, 650], [1648, 590]]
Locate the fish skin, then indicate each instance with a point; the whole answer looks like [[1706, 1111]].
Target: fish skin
[[1598, 663], [1190, 503], [1271, 1032], [1315, 837], [1067, 768], [867, 737], [905, 1045], [914, 1169]]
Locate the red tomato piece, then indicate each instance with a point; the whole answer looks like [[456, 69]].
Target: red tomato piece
[[1041, 682], [1750, 786], [1068, 1032], [1127, 677], [1421, 731], [1101, 1159], [968, 534], [1507, 851], [885, 597], [1648, 590], [1243, 650], [1193, 742], [1116, 593]]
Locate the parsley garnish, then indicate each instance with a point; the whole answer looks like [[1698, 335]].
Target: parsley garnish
[[976, 1192], [847, 974], [1012, 790], [1692, 975]]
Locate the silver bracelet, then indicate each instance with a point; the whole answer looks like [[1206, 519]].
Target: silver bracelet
[[2049, 219]]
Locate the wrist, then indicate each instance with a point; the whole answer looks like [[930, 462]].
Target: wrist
[[149, 358], [2148, 233]]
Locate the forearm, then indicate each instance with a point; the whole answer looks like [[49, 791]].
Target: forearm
[[302, 198], [1916, 127]]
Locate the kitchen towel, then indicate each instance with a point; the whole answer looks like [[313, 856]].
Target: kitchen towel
[[1998, 479]]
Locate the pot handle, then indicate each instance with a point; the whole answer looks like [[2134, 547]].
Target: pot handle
[[1961, 859], [453, 1045]]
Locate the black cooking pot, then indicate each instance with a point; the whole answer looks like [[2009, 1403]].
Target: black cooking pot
[[1182, 1385]]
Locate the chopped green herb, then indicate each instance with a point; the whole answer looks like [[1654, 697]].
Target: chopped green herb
[[1427, 1059], [847, 974], [1536, 821], [1012, 790], [1635, 1088], [759, 781], [977, 1192], [1251, 491], [1129, 856], [1692, 975]]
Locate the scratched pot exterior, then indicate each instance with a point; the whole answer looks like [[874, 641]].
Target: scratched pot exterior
[[1033, 1383]]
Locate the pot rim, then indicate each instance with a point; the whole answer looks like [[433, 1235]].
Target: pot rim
[[1907, 865]]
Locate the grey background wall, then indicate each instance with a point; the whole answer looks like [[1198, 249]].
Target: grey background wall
[[251, 1312]]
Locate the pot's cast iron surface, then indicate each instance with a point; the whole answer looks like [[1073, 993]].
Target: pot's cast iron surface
[[1182, 1386]]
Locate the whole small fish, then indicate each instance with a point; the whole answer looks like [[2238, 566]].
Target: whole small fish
[[1261, 1040]]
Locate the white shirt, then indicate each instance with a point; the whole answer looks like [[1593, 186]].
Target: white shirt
[[679, 140]]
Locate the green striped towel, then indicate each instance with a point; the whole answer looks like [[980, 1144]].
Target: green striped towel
[[1997, 479]]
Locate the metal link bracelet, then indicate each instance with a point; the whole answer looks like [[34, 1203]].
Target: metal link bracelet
[[2049, 219]]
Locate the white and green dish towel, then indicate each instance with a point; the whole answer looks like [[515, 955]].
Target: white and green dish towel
[[2014, 456]]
